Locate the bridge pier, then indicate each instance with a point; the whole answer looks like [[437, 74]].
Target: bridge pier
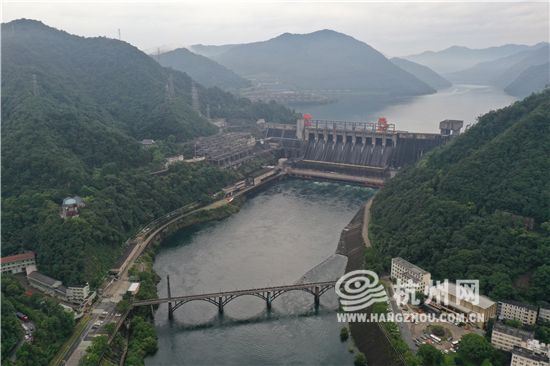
[[220, 305], [170, 308], [316, 297], [268, 300]]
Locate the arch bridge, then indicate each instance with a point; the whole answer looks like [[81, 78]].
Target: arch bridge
[[220, 299]]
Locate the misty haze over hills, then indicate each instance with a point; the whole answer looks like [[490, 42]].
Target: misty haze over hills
[[458, 58], [423, 73], [324, 61], [202, 69]]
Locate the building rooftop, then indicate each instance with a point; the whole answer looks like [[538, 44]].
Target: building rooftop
[[42, 278], [17, 257], [523, 352], [409, 265], [520, 304], [69, 201], [147, 142], [484, 301], [514, 332]]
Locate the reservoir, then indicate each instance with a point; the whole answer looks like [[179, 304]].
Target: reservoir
[[416, 114], [277, 237]]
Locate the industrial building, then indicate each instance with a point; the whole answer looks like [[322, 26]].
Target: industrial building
[[506, 338], [47, 285], [227, 150], [513, 310], [75, 295], [481, 306], [405, 271], [18, 263]]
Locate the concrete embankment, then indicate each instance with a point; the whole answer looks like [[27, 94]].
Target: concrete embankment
[[368, 337]]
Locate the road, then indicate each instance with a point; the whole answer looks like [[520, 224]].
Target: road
[[403, 328]]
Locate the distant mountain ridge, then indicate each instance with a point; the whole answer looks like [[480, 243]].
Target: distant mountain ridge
[[202, 69], [322, 60], [531, 80], [502, 71], [456, 58], [422, 72]]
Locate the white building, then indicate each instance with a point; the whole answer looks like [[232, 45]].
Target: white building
[[506, 338], [78, 294], [531, 353], [18, 263], [404, 271], [513, 310], [544, 315], [133, 288]]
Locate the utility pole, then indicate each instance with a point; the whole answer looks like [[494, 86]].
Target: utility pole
[[119, 34]]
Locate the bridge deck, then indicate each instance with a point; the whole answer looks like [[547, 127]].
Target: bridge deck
[[234, 293]]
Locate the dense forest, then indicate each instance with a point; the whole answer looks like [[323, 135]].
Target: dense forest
[[478, 207], [74, 109], [52, 325]]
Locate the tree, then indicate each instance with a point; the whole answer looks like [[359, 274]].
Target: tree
[[430, 355], [360, 359], [344, 334], [438, 330], [474, 348]]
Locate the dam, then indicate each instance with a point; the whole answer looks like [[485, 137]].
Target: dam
[[364, 152]]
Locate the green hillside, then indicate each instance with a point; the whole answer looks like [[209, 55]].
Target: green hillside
[[323, 60], [202, 69], [534, 79], [73, 112], [464, 210], [422, 72]]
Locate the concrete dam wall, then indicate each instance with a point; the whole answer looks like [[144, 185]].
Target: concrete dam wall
[[355, 148]]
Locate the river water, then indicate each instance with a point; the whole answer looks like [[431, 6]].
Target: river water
[[417, 114], [276, 237]]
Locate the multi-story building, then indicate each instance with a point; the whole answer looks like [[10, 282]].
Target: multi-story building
[[524, 357], [450, 296], [506, 338], [18, 263], [544, 315], [513, 310], [78, 294], [405, 272]]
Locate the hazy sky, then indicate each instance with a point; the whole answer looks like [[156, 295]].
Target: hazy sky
[[394, 28]]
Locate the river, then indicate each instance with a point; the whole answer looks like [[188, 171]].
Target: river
[[276, 237], [416, 114]]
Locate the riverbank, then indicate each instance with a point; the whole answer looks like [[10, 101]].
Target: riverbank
[[368, 337]]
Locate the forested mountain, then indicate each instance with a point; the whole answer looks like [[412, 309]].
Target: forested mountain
[[478, 207], [457, 58], [323, 61], [501, 72], [422, 72], [73, 109], [534, 79], [202, 69]]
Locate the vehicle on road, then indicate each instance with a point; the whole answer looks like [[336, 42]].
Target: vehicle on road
[[22, 316]]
